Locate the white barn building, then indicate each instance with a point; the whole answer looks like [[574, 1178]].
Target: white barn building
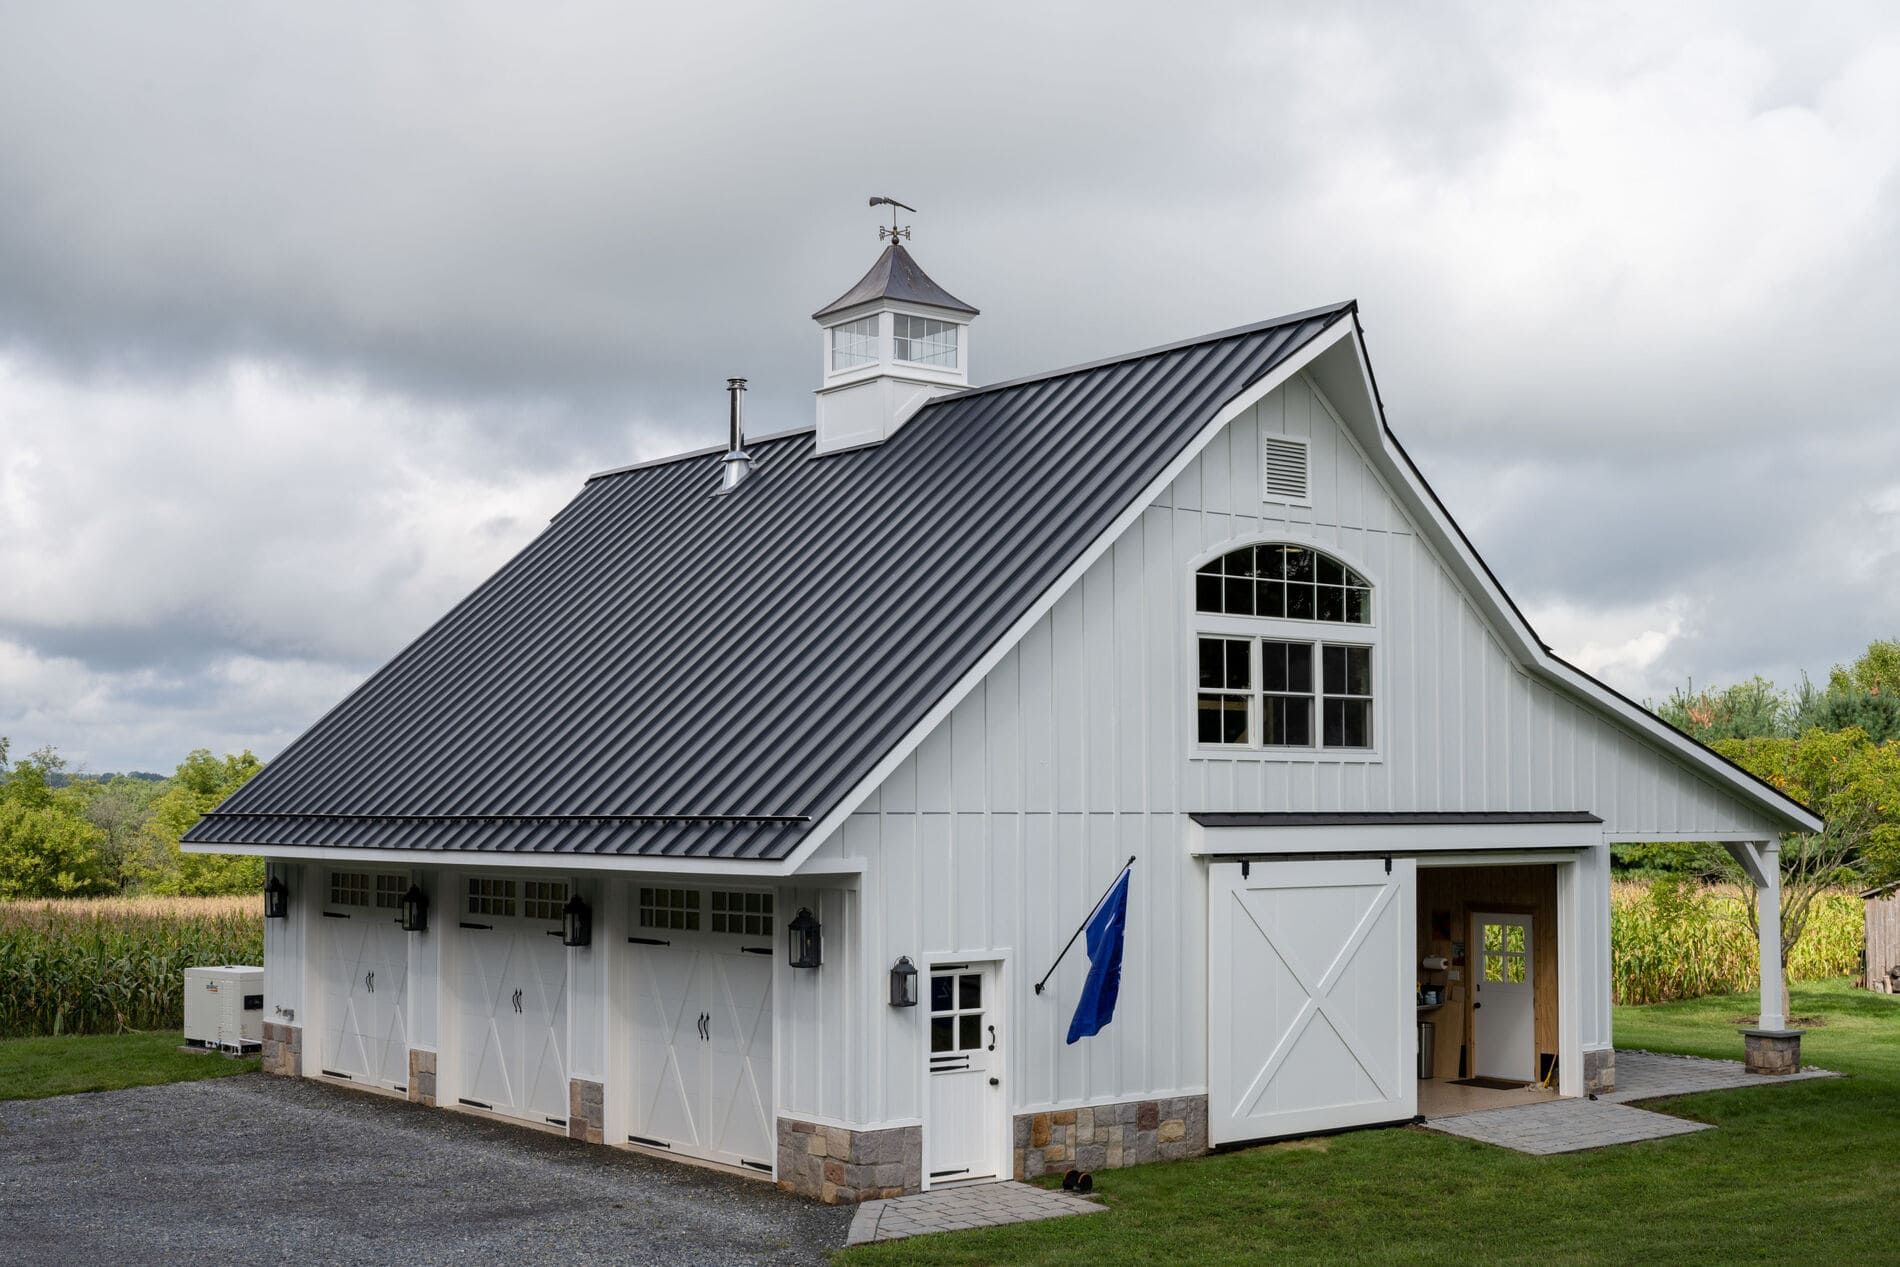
[[926, 675]]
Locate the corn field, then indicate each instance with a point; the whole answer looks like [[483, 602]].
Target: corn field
[[1677, 942], [99, 966]]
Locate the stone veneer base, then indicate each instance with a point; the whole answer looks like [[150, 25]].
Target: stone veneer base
[[1776, 1052], [1599, 1070], [838, 1165], [421, 1077], [586, 1112], [283, 1049], [1108, 1136]]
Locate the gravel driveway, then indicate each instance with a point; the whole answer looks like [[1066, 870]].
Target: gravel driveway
[[266, 1170]]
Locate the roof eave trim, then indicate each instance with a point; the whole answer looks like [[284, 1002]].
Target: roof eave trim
[[1295, 362], [643, 864]]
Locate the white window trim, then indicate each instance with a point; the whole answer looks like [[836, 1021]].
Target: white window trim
[[956, 332], [879, 338], [1306, 445], [1281, 629]]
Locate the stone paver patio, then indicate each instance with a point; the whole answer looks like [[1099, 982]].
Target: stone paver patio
[[954, 1209], [1572, 1126]]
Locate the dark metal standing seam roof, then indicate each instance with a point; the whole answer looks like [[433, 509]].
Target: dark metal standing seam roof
[[666, 672]]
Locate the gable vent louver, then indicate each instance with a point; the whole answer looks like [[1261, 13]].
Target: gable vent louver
[[1287, 469]]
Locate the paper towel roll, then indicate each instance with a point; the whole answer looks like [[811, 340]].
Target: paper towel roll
[[1435, 963]]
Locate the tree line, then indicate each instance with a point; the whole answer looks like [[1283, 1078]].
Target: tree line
[[64, 834]]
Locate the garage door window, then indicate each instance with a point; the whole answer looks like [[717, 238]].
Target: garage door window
[[491, 897], [349, 888], [389, 890], [748, 914], [543, 899], [670, 908]]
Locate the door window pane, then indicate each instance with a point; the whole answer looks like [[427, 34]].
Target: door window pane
[[1514, 965], [1494, 967], [1514, 938], [970, 1035], [942, 993], [1494, 937], [942, 1034], [970, 990]]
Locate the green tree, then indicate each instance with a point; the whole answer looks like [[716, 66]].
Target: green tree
[[47, 848], [1853, 783], [1753, 709], [120, 807], [201, 782]]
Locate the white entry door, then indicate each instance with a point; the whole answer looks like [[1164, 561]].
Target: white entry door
[[511, 994], [1311, 1008], [701, 1014], [962, 1134], [363, 970], [1503, 1016]]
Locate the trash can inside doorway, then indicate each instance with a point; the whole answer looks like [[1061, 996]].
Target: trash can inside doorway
[[1427, 1040]]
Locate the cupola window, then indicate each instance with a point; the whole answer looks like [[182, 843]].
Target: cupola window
[[854, 343], [923, 341]]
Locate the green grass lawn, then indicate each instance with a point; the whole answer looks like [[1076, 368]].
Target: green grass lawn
[[1795, 1173], [31, 1068]]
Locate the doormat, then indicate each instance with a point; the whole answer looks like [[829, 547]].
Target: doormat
[[1492, 1084]]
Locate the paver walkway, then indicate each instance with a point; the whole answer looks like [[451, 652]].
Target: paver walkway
[[953, 1209], [1571, 1126]]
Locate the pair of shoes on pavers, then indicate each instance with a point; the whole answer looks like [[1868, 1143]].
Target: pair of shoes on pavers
[[1078, 1181]]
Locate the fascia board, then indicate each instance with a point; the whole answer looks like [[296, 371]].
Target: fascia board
[[630, 864]]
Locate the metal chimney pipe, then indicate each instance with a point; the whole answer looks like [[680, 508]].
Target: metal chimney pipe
[[737, 462]]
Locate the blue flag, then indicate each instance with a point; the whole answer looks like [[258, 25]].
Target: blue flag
[[1104, 985]]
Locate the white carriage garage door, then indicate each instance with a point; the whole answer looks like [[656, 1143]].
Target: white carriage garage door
[[699, 967], [362, 965], [510, 997], [1311, 1011]]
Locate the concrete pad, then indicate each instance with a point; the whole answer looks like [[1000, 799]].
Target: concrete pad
[[963, 1208]]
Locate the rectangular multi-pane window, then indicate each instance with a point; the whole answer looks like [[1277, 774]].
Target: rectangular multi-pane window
[[1305, 694], [1347, 716], [490, 896], [748, 914], [1225, 696], [543, 899], [670, 908], [389, 891], [1286, 684], [854, 343], [922, 341], [349, 888]]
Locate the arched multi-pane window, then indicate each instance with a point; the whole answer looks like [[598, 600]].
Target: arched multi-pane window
[[1269, 675]]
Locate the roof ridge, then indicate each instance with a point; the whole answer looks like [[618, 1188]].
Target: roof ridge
[[1293, 318]]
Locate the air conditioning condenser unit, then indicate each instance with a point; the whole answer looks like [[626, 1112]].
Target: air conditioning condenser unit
[[224, 1008]]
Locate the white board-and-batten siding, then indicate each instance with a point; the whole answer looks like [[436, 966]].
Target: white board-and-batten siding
[[1077, 750]]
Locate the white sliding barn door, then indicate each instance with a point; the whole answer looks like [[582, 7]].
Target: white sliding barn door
[[1311, 1009]]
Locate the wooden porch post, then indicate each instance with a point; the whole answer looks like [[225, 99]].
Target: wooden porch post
[[1768, 920]]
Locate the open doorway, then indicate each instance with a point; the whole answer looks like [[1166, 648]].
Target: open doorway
[[1487, 987]]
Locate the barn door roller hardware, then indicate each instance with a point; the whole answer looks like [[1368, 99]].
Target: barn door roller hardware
[[1085, 923]]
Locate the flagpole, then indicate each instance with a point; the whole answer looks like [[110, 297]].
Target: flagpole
[[1085, 922]]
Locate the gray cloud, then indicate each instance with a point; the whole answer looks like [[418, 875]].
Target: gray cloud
[[309, 317]]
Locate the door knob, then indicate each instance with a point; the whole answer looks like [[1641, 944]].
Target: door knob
[[1476, 1006], [996, 1082]]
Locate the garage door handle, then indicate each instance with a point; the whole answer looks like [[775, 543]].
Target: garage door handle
[[517, 1000], [369, 981]]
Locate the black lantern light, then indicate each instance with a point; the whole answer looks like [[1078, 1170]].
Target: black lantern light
[[276, 899], [415, 910], [904, 983], [808, 945], [577, 922]]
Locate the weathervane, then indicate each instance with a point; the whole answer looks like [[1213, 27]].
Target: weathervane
[[893, 233]]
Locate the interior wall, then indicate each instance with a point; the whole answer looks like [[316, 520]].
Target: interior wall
[[1447, 897]]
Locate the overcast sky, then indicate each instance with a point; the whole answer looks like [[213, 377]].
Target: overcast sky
[[311, 315]]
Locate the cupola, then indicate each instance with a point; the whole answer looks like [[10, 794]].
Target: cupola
[[891, 343]]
